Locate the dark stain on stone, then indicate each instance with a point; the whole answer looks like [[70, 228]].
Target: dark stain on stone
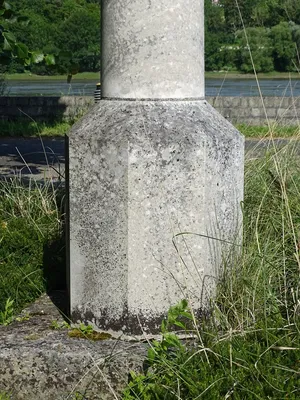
[[131, 324]]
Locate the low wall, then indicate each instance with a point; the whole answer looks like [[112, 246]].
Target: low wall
[[243, 110], [44, 108], [256, 111]]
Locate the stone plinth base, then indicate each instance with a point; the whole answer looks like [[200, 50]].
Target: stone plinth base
[[39, 363], [155, 188]]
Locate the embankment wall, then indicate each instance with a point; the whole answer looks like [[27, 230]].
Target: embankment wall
[[238, 110]]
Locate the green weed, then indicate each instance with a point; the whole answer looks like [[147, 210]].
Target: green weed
[[7, 315], [56, 325]]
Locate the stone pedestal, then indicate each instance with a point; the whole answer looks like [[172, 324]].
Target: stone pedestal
[[155, 190], [156, 174]]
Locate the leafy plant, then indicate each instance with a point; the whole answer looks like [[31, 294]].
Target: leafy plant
[[9, 46], [7, 315], [159, 355], [56, 325]]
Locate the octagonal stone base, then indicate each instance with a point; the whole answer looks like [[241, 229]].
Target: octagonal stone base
[[154, 191]]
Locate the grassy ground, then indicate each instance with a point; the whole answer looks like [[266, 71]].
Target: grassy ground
[[249, 347], [96, 76], [29, 77], [238, 75], [251, 131], [28, 128], [29, 226]]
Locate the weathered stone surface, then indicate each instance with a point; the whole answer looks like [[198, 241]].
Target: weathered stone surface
[[141, 174], [152, 49], [37, 362]]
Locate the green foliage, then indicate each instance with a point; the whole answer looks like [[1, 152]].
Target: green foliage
[[76, 396], [272, 29], [260, 363], [69, 29], [257, 40], [10, 47], [284, 48], [85, 329], [72, 28], [80, 34], [57, 325], [7, 315]]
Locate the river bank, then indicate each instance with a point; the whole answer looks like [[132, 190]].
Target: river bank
[[96, 76]]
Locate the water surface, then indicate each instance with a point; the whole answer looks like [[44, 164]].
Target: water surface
[[213, 87]]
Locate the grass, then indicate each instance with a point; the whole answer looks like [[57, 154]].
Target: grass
[[4, 396], [211, 74], [29, 225], [249, 347], [239, 75], [276, 131], [28, 128], [32, 77]]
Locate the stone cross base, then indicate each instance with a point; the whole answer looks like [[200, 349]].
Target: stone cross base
[[155, 188]]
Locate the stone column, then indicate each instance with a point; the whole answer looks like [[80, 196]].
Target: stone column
[[155, 173], [153, 49]]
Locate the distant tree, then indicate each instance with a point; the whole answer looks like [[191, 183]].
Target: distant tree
[[232, 10], [290, 10], [213, 58], [217, 39], [80, 34], [284, 47], [260, 45], [73, 27], [296, 38]]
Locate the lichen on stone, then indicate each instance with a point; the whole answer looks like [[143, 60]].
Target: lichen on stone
[[95, 336]]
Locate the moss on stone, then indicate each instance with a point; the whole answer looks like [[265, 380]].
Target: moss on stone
[[95, 336]]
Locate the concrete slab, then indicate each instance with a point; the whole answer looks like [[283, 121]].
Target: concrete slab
[[37, 362]]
